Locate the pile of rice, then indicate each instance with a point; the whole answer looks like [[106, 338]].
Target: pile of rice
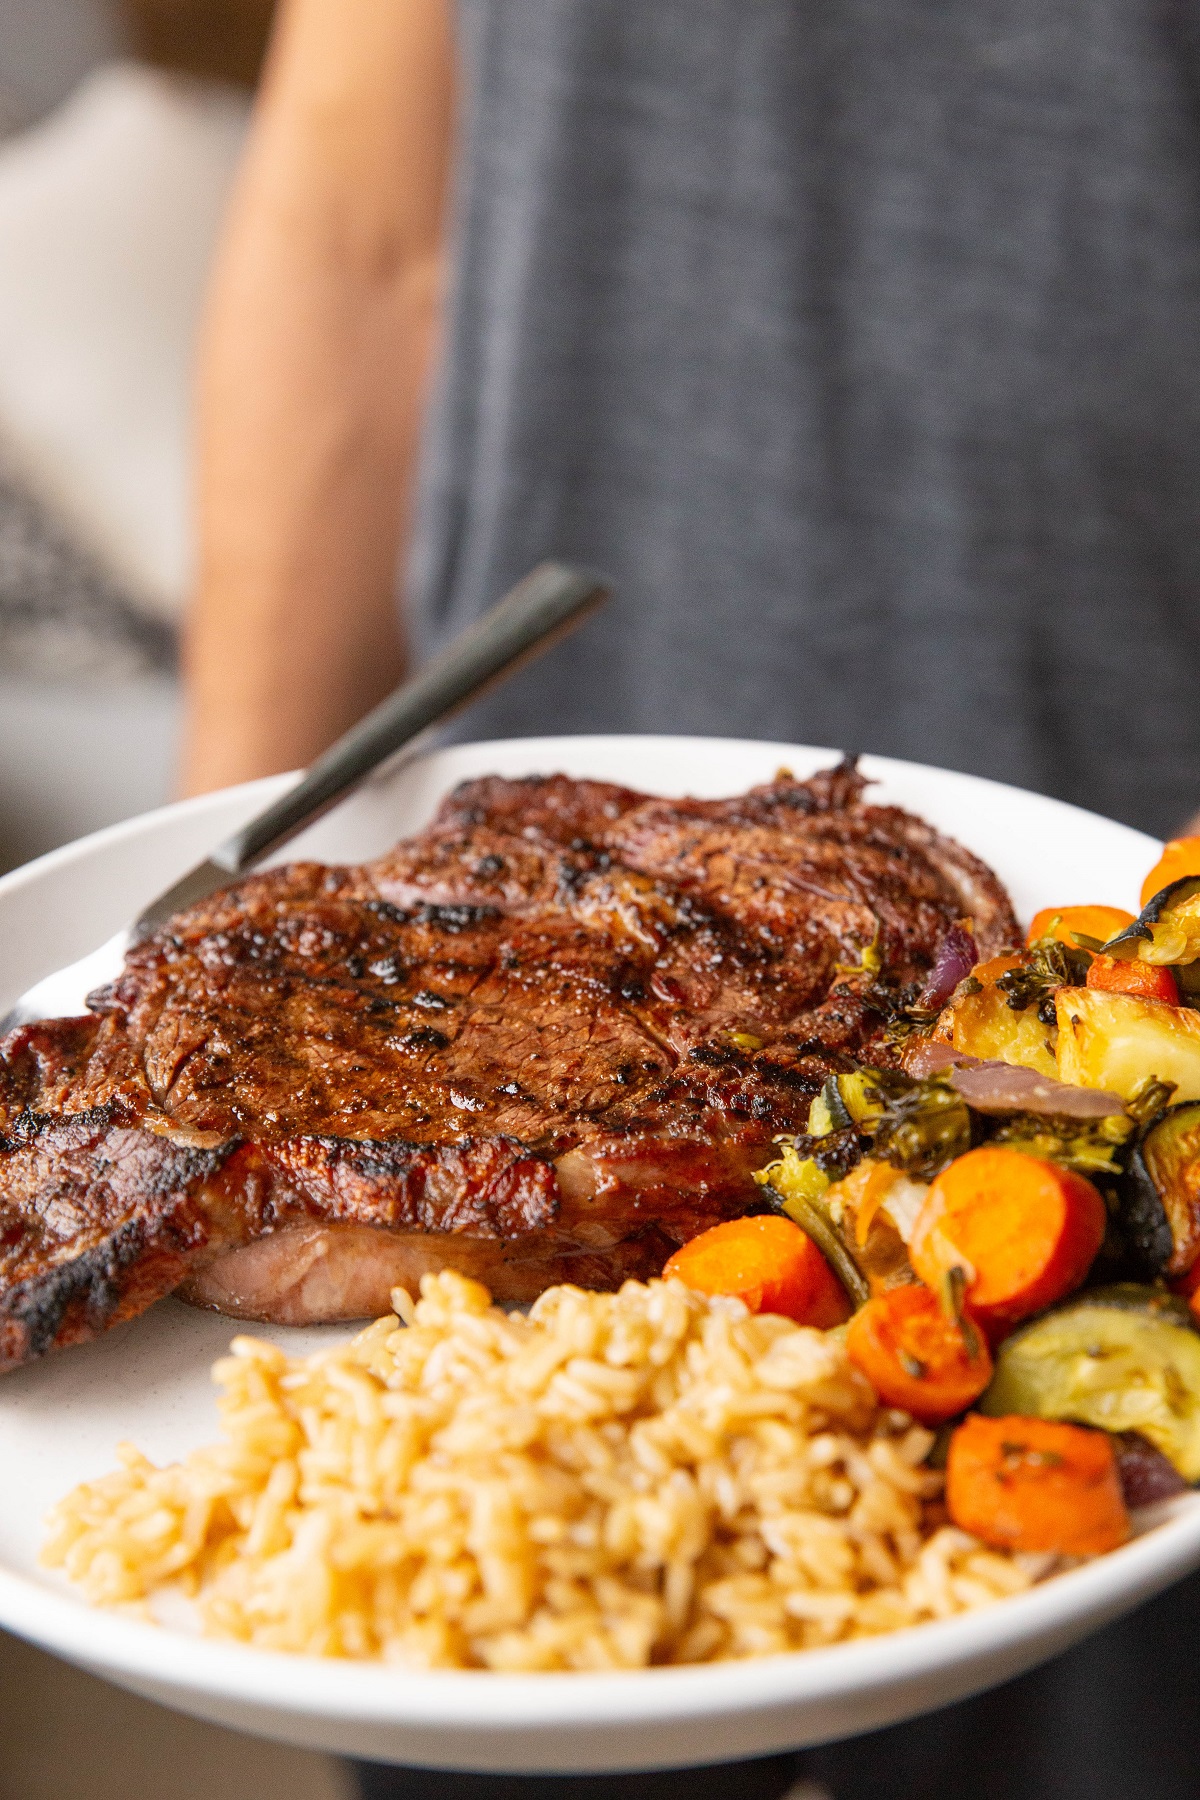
[[619, 1479]]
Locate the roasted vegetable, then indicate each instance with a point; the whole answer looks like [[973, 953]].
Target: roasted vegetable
[[1038, 975], [1146, 1475], [956, 957], [1083, 1128], [861, 1222], [1167, 930], [872, 1208], [915, 1357], [1163, 1193], [1117, 975], [1068, 924], [1023, 1232], [915, 1125], [1115, 1041], [792, 1175], [1004, 1088], [922, 1125], [1089, 1146], [1180, 857], [988, 1020], [1122, 1358], [845, 1100], [796, 1186], [1026, 1484], [769, 1263]]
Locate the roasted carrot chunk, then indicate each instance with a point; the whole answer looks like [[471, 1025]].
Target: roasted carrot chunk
[[1149, 981], [1187, 1286], [917, 1358], [1179, 858], [1063, 922], [1024, 1232], [770, 1264], [990, 971], [1033, 1484]]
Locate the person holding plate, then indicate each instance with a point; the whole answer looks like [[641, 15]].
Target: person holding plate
[[856, 342]]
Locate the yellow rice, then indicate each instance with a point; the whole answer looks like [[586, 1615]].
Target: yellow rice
[[651, 1476]]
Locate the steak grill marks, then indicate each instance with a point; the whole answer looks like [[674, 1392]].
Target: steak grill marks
[[548, 1038]]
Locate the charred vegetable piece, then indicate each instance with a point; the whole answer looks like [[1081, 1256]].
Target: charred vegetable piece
[[768, 1263], [794, 1176], [796, 1186], [1164, 1191], [1117, 975], [845, 1100], [861, 1096], [1023, 1232], [1026, 1484], [916, 1358], [1167, 930], [922, 1124], [1068, 924], [828, 1111], [1180, 857], [1040, 973], [1114, 1041], [1123, 1358], [1089, 1146], [988, 1021]]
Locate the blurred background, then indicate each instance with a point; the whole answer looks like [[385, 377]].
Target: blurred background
[[120, 126]]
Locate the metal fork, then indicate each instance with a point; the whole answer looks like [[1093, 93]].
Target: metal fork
[[551, 601]]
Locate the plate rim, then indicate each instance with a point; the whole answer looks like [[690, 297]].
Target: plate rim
[[359, 1692], [53, 1618]]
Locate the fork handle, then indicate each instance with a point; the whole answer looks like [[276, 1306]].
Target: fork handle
[[547, 604]]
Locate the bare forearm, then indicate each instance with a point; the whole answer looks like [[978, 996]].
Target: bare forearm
[[313, 368]]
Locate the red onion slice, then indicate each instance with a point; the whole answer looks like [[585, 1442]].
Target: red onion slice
[[1146, 1475], [999, 1087], [956, 957], [927, 1056]]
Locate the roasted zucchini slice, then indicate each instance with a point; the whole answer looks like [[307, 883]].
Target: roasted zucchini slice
[[1122, 1358], [1163, 1192]]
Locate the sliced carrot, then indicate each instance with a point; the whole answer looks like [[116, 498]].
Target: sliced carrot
[[1118, 975], [1063, 922], [1033, 1484], [770, 1264], [989, 972], [1179, 858], [915, 1357], [1023, 1231], [1187, 1286]]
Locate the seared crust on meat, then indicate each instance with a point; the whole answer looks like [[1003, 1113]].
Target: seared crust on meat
[[549, 1038]]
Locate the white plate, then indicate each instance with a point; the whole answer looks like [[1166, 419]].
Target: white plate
[[148, 1381]]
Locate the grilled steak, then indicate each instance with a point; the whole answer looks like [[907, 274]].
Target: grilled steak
[[547, 1039]]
